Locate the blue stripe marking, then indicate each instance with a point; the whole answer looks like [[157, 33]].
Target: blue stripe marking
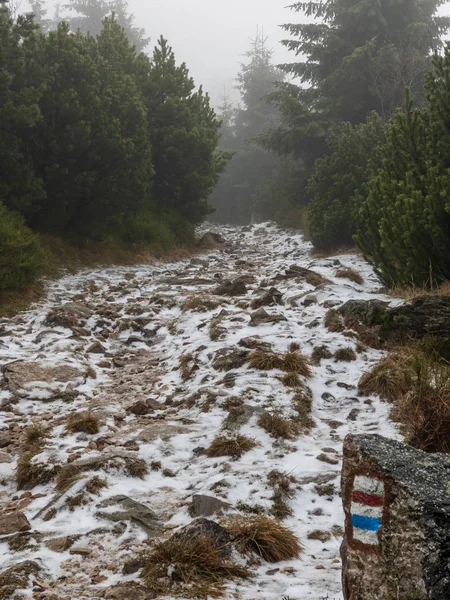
[[367, 523]]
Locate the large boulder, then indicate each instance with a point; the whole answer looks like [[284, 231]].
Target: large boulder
[[424, 316], [17, 577], [210, 239], [367, 312], [397, 521]]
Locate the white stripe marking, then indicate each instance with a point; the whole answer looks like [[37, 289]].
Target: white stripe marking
[[365, 537], [363, 510], [368, 485]]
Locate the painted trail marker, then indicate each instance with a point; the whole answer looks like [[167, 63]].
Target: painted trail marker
[[366, 509]]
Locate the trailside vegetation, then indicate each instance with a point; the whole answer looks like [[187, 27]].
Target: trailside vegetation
[[98, 140]]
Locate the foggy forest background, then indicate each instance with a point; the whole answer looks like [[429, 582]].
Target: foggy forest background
[[107, 138]]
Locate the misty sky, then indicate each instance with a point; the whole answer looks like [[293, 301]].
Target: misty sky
[[212, 35]]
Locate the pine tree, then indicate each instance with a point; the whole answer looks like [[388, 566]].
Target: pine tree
[[250, 166]]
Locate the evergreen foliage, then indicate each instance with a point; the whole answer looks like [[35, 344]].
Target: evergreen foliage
[[21, 256], [98, 140], [339, 181], [250, 164], [405, 221]]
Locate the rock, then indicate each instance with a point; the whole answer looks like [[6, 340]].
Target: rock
[[272, 571], [5, 439], [133, 566], [424, 316], [96, 348], [17, 577], [216, 534], [402, 550], [210, 240], [367, 312], [199, 262], [81, 551], [310, 300], [311, 277], [261, 316], [140, 408], [18, 374], [270, 298], [227, 359], [327, 459], [206, 506], [5, 458], [129, 591], [13, 523], [78, 309], [231, 288], [130, 510], [61, 544], [321, 536]]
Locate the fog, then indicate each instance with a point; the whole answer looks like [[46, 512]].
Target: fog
[[212, 36]]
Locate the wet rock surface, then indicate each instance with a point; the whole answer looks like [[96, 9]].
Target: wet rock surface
[[114, 388]]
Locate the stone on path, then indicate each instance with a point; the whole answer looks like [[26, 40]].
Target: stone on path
[[13, 523], [206, 506], [130, 510]]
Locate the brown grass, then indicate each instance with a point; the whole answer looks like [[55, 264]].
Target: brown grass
[[410, 292], [391, 378], [278, 426], [228, 359], [254, 344], [187, 366], [264, 536], [350, 274], [96, 484], [424, 411], [136, 467], [292, 380], [84, 422], [34, 435], [333, 321], [234, 446], [302, 402], [199, 304], [283, 491], [265, 361], [315, 279], [196, 564], [319, 353], [295, 362], [30, 474], [215, 329], [345, 354]]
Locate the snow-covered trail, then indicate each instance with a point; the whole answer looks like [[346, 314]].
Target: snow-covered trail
[[129, 328]]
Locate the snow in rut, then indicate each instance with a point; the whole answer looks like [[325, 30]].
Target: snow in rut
[[130, 327]]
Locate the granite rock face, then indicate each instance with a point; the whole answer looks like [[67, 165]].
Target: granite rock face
[[397, 506]]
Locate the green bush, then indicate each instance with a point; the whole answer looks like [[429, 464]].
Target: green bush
[[339, 182], [21, 255], [146, 229]]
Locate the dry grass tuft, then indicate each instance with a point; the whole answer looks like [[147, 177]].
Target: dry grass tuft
[[279, 426], [334, 322], [265, 361], [84, 422], [391, 378], [254, 343], [34, 435], [67, 476], [234, 446], [282, 492], [96, 484], [30, 473], [271, 540], [199, 304], [315, 279], [136, 467], [292, 380], [192, 568], [188, 366], [295, 362], [350, 274], [410, 292], [319, 353], [345, 354]]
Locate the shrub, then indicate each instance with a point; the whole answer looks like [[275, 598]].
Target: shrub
[[271, 540], [265, 361], [21, 257], [345, 354]]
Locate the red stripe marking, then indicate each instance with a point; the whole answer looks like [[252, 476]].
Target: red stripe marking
[[368, 499]]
